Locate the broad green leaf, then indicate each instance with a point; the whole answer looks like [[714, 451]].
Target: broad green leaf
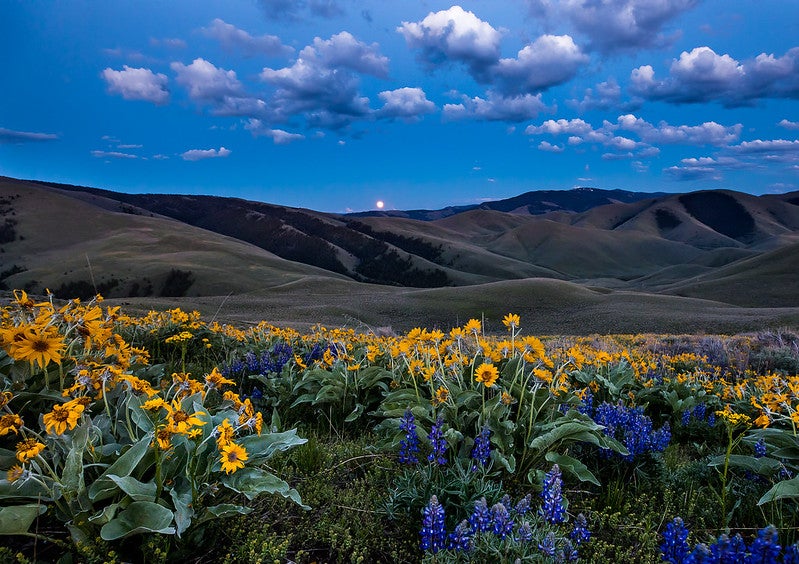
[[787, 489], [104, 486], [573, 466], [263, 446], [356, 413], [17, 519], [138, 491], [764, 465], [139, 517], [72, 476], [567, 431], [104, 516], [29, 489], [253, 482], [181, 499]]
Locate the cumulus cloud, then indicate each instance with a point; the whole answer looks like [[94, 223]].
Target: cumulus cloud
[[699, 168], [549, 147], [408, 103], [137, 84], [759, 146], [200, 154], [702, 75], [12, 136], [787, 124], [112, 155], [454, 35], [278, 136], [459, 36], [616, 25], [546, 62], [707, 133], [292, 10], [205, 82], [323, 83], [604, 96], [496, 107], [232, 38]]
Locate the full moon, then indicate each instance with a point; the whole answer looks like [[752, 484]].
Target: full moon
[[380, 204]]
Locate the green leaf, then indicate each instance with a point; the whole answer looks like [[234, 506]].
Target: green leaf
[[782, 490], [104, 516], [104, 486], [573, 466], [138, 491], [72, 476], [228, 510], [17, 519], [139, 517], [181, 499], [356, 413], [253, 482], [762, 465], [567, 431], [263, 446]]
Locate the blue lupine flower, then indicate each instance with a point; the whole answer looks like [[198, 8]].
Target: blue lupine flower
[[256, 394], [699, 412], [711, 419], [480, 519], [437, 443], [766, 547], [524, 505], [547, 545], [552, 508], [501, 521], [569, 553], [791, 555], [433, 532], [461, 539], [580, 532], [586, 406], [634, 429], [409, 446], [686, 417], [525, 533], [701, 555], [760, 448], [728, 550], [481, 451], [674, 547]]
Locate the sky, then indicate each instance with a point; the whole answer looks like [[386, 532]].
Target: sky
[[336, 105]]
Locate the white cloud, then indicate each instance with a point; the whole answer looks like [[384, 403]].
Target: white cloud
[[702, 75], [496, 107], [789, 124], [454, 35], [409, 103], [617, 25], [549, 60], [604, 96], [112, 155], [549, 147], [768, 146], [560, 126], [278, 136], [205, 82], [170, 42], [707, 133], [137, 84], [323, 84], [231, 37], [12, 136], [200, 154]]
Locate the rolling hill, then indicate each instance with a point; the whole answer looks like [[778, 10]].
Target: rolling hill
[[605, 261]]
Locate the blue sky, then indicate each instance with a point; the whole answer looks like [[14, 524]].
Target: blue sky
[[336, 104]]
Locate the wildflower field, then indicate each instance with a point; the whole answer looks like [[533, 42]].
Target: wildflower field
[[172, 438]]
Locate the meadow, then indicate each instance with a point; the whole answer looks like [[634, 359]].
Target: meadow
[[168, 436]]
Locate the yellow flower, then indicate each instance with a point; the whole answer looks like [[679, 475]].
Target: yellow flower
[[182, 421], [762, 421], [138, 385], [164, 437], [298, 361], [14, 473], [215, 380], [27, 449], [506, 398], [224, 434], [63, 417], [10, 423], [511, 321], [179, 338], [155, 404], [487, 374], [5, 397], [472, 326], [38, 346], [233, 457], [441, 396]]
